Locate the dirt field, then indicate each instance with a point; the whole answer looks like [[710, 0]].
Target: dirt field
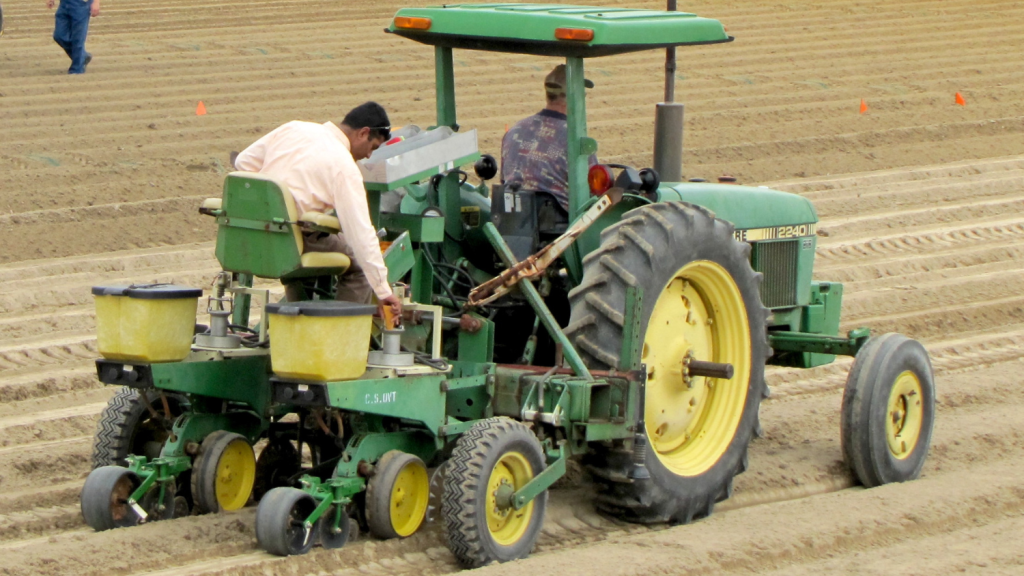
[[922, 218]]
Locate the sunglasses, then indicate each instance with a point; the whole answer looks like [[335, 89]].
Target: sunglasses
[[384, 131]]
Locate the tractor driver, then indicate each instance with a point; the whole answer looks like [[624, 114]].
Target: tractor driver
[[533, 151], [318, 164]]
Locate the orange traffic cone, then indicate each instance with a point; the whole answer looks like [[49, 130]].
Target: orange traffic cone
[[863, 106], [960, 99], [201, 109]]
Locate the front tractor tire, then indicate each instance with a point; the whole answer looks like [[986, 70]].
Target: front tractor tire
[[700, 302], [490, 462], [888, 410]]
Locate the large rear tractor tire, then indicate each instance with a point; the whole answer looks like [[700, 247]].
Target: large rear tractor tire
[[700, 302], [127, 426], [888, 411], [490, 462]]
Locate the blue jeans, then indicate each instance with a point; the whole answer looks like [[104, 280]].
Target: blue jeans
[[72, 24]]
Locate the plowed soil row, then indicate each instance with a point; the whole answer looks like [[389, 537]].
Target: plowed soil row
[[921, 220], [130, 157]]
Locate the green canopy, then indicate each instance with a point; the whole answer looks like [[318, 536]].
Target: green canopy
[[531, 28]]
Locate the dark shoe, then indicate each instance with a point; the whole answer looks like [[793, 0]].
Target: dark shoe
[[88, 58]]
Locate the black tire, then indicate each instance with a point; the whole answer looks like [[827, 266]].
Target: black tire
[[331, 538], [465, 504], [161, 510], [381, 494], [279, 522], [649, 249], [436, 492], [875, 454], [231, 489], [277, 463], [127, 427], [104, 499]]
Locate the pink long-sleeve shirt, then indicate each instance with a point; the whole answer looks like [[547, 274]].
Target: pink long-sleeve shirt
[[315, 162]]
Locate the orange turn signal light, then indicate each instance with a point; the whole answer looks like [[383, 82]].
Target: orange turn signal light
[[411, 23], [600, 179], [579, 34]]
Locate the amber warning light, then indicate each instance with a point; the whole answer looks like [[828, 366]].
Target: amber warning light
[[410, 23], [580, 34], [600, 179]]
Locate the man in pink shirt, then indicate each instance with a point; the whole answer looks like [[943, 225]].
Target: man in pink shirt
[[318, 164]]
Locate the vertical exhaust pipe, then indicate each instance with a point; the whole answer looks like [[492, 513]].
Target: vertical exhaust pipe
[[668, 123]]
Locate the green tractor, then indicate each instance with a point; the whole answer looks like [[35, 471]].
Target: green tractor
[[629, 333]]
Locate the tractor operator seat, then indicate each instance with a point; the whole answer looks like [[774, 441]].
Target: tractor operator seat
[[527, 219], [260, 232]]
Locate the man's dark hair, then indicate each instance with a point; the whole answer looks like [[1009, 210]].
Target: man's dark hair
[[369, 115]]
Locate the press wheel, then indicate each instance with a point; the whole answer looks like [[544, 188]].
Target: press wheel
[[332, 536], [104, 499], [280, 520]]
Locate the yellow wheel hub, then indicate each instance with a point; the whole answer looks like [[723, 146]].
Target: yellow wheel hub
[[700, 314], [506, 524], [236, 470], [409, 497], [904, 415]]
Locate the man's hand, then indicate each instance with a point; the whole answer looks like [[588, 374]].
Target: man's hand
[[50, 3], [394, 307], [95, 10]]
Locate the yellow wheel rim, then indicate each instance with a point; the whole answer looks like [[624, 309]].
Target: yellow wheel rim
[[700, 314], [409, 497], [506, 524], [236, 470], [904, 415]]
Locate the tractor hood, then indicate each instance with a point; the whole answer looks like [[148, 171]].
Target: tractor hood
[[747, 207]]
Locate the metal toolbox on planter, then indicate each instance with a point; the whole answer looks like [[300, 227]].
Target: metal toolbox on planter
[[145, 323], [418, 157], [320, 340]]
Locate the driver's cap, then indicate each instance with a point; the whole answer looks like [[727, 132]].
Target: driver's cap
[[554, 82]]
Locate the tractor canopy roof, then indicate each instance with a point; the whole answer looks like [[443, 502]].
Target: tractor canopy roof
[[554, 29]]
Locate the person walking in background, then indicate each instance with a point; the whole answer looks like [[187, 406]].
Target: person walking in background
[[71, 27]]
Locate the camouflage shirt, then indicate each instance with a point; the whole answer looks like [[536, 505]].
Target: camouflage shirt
[[533, 155]]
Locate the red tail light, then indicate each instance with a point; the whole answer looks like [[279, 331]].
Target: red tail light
[[600, 179]]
